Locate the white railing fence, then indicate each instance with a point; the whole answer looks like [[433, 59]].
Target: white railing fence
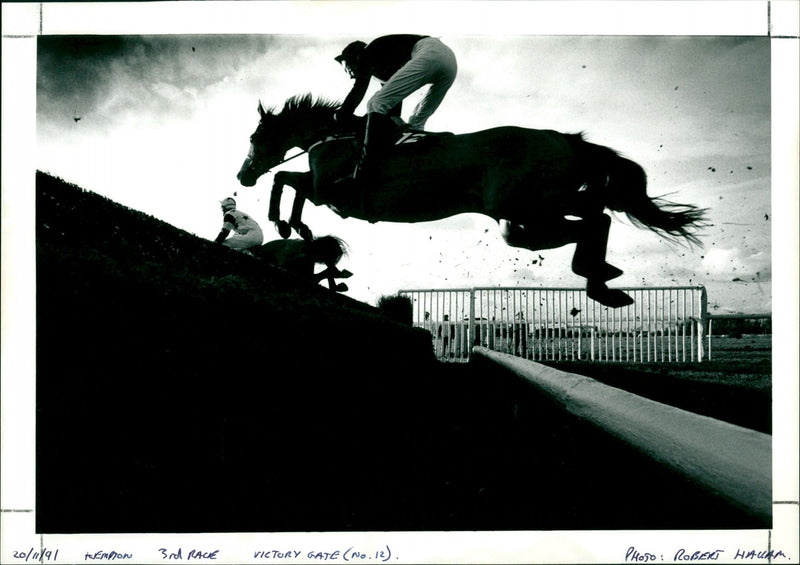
[[663, 324]]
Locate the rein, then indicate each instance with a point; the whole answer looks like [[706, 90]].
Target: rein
[[329, 139], [293, 156], [326, 140]]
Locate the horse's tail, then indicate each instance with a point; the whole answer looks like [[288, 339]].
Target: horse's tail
[[625, 190], [327, 249]]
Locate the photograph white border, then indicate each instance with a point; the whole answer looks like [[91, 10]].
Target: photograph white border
[[24, 22]]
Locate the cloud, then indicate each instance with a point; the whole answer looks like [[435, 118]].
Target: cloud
[[735, 262], [184, 106], [152, 75]]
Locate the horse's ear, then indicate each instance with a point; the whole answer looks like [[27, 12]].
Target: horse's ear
[[261, 110]]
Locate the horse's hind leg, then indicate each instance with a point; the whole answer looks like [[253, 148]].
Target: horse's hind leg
[[591, 237], [589, 260], [549, 236]]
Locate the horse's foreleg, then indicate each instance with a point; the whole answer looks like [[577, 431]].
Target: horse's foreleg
[[274, 214], [297, 213], [302, 184]]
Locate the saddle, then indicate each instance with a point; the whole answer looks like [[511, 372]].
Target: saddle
[[391, 139], [416, 136], [401, 135]]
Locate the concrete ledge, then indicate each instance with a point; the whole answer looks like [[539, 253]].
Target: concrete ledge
[[730, 461]]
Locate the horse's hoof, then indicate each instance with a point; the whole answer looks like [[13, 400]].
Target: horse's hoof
[[345, 274], [610, 297], [283, 229], [341, 287], [305, 232]]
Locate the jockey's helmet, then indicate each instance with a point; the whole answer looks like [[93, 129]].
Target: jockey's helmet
[[351, 53], [228, 204]]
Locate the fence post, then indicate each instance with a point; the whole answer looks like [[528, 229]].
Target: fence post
[[704, 318], [473, 334], [700, 347], [710, 329]]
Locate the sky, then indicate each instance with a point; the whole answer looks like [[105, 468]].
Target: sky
[[165, 121]]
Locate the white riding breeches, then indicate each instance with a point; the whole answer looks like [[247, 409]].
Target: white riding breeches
[[244, 240], [432, 62]]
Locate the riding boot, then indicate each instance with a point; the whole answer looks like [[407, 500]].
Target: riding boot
[[376, 137]]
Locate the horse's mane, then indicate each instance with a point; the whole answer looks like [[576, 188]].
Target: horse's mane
[[304, 103]]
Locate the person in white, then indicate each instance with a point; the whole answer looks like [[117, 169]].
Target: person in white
[[239, 230]]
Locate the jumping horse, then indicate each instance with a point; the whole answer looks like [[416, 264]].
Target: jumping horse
[[545, 189], [300, 256]]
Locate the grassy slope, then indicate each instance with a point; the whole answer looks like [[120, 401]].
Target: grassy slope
[[157, 350], [182, 386]]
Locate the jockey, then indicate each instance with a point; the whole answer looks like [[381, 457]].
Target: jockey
[[403, 64], [246, 232]]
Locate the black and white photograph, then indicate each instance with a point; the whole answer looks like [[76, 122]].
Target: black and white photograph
[[400, 282]]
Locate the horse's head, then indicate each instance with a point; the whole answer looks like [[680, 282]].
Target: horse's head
[[267, 148], [302, 121]]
